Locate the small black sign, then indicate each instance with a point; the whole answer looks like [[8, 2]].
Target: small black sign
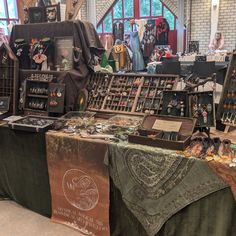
[[4, 103]]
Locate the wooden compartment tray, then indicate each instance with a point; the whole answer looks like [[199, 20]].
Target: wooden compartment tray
[[147, 129]]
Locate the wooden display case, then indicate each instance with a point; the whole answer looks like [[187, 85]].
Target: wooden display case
[[41, 95], [175, 103], [129, 93], [204, 104], [9, 68], [227, 107], [152, 127]]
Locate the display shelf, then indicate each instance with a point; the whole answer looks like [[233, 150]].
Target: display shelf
[[40, 93]]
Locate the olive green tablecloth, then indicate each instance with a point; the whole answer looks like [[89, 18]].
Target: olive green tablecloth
[[24, 179], [156, 183]]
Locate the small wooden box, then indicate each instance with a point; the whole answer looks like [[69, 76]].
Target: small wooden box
[[146, 129]]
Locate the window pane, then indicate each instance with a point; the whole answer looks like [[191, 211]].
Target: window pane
[[12, 9], [127, 26], [107, 23], [3, 24], [2, 9], [118, 10], [156, 8], [99, 29], [144, 7], [170, 18], [128, 8]]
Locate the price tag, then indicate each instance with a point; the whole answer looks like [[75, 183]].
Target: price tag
[[167, 126]]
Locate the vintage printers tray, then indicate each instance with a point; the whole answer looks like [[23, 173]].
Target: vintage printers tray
[[129, 93], [33, 123]]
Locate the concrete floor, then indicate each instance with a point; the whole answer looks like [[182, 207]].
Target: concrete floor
[[18, 221]]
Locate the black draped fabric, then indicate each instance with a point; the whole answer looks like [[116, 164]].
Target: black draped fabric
[[23, 170], [85, 37]]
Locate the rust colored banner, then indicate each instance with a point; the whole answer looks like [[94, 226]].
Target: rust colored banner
[[79, 183]]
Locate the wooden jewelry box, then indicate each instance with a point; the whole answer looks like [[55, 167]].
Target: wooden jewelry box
[[153, 127]]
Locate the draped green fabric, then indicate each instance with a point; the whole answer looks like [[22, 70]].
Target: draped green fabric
[[214, 215]]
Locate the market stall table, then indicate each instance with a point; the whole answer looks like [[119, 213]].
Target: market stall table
[[24, 178]]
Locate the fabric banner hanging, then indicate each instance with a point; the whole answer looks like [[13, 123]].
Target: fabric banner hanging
[[79, 183]]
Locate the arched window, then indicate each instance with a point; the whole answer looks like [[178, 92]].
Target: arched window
[[124, 10], [8, 13]]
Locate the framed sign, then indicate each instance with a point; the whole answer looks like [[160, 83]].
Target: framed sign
[[4, 103], [194, 46], [53, 13], [36, 14], [64, 53]]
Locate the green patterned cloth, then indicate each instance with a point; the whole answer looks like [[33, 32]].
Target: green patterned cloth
[[155, 183]]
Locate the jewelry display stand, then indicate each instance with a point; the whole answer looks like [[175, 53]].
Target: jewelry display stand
[[164, 131], [40, 95], [175, 103], [129, 93], [202, 108], [227, 106]]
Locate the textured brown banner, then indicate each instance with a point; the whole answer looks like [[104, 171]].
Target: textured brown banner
[[79, 183]]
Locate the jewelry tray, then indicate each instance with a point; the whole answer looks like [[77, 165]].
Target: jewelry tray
[[128, 93], [227, 107], [33, 124], [146, 129]]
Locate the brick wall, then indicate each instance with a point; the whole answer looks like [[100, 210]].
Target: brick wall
[[102, 6], [201, 22], [227, 22]]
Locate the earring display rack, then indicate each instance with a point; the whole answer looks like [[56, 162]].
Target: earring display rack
[[129, 93], [202, 108], [9, 67], [227, 106], [40, 95], [175, 103]]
